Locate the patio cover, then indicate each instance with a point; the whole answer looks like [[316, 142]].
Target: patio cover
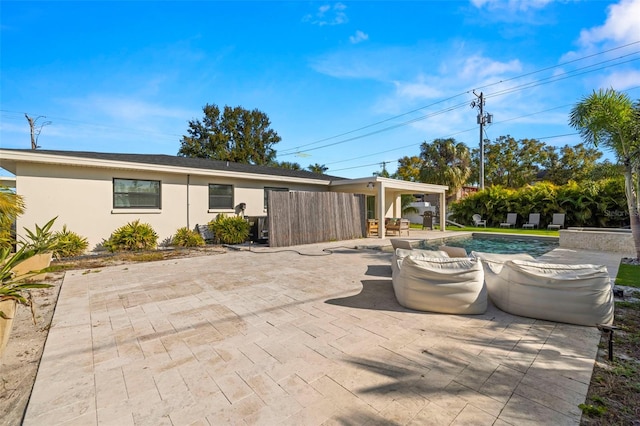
[[387, 192]]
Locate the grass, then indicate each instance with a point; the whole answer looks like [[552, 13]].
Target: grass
[[614, 391], [628, 275], [518, 231]]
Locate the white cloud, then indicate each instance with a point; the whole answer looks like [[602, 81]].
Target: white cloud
[[478, 67], [512, 5], [620, 28], [622, 80], [130, 109], [328, 15], [348, 64], [358, 37], [622, 25], [417, 90]]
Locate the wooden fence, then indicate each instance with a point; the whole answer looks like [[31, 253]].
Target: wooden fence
[[302, 217]]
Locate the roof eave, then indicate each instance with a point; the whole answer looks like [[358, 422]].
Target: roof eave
[[11, 158]]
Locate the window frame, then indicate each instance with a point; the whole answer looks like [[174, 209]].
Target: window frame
[[158, 196], [231, 206], [271, 188]]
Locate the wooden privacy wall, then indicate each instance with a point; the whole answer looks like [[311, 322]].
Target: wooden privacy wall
[[302, 217]]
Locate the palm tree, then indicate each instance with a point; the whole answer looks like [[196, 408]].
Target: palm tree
[[318, 168], [11, 206], [405, 204], [610, 118]]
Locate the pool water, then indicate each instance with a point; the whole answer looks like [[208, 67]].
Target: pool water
[[534, 246]]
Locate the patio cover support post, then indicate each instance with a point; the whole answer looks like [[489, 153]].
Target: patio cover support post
[[382, 231], [397, 204], [443, 212]]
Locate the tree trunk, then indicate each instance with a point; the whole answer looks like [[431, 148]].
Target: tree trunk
[[632, 203]]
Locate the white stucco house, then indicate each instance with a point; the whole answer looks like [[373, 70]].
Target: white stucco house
[[95, 193]]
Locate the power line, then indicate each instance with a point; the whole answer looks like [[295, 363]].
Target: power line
[[413, 144], [291, 151], [297, 149], [529, 85], [559, 65], [17, 115]]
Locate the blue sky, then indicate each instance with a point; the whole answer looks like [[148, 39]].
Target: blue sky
[[348, 84]]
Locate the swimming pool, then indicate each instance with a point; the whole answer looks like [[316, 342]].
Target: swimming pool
[[495, 243]]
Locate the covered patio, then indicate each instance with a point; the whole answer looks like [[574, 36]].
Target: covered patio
[[387, 194]]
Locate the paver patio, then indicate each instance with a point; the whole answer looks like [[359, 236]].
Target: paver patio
[[283, 339]]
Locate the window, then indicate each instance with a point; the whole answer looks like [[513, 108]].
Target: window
[[136, 194], [268, 189], [220, 196]]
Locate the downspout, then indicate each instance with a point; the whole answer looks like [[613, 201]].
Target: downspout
[[188, 182]]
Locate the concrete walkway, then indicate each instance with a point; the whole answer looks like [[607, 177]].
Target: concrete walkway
[[280, 338]]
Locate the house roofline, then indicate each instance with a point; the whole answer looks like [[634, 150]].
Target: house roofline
[[391, 184], [10, 157]]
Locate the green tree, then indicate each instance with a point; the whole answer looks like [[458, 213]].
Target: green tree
[[409, 168], [286, 165], [384, 172], [445, 162], [610, 118], [574, 163], [511, 163], [236, 135], [606, 170], [317, 168]]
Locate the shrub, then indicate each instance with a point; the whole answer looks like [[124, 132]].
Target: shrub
[[186, 237], [42, 239], [133, 236], [600, 203], [229, 230], [68, 243]]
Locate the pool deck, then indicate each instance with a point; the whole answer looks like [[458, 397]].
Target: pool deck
[[298, 336]]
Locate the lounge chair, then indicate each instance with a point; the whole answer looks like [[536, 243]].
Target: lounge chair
[[557, 222], [396, 225], [533, 222], [478, 221], [512, 218]]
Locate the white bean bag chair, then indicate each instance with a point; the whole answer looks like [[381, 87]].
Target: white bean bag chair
[[399, 254], [441, 284], [501, 258], [574, 294]]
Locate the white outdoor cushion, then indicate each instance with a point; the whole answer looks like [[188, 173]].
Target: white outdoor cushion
[[574, 294], [397, 243], [454, 251], [399, 254], [445, 285], [495, 261], [500, 257]]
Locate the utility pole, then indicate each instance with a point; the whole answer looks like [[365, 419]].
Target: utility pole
[[482, 120], [35, 132]]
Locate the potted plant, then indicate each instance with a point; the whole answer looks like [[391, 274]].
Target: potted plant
[[15, 289], [42, 243]]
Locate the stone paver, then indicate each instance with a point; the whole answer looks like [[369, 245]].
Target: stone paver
[[277, 337]]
